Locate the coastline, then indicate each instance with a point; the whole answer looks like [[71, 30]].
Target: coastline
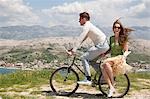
[[14, 68], [8, 67]]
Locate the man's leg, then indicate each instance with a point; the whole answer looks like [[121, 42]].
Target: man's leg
[[93, 56], [92, 53], [86, 67], [87, 80]]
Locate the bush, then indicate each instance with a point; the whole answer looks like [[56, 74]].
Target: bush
[[135, 57], [27, 56]]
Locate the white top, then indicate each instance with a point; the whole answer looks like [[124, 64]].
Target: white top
[[91, 31]]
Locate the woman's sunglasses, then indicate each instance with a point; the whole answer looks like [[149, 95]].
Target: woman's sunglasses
[[117, 27]]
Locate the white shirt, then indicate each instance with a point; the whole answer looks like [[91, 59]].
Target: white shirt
[[91, 31]]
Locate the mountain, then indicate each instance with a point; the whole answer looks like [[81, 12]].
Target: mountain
[[23, 32], [37, 31], [142, 32]]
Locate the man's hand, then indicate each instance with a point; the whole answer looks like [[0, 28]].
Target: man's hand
[[70, 52]]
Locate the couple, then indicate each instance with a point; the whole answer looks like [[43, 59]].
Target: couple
[[118, 45]]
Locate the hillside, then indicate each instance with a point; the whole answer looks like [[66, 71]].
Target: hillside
[[47, 52], [136, 45], [36, 31]]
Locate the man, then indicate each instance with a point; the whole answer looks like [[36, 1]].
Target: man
[[100, 44]]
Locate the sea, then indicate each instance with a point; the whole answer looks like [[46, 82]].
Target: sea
[[7, 70]]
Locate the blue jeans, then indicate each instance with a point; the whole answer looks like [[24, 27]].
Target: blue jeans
[[91, 54]]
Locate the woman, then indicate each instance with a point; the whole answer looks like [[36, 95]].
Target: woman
[[118, 45]]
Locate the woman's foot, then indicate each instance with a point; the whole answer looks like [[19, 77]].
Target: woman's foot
[[111, 92]]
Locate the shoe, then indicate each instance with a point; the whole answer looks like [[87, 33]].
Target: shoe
[[85, 82], [111, 92]]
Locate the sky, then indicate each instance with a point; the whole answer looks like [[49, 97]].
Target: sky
[[66, 12]]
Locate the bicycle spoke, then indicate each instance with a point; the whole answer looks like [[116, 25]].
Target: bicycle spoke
[[63, 82], [121, 85]]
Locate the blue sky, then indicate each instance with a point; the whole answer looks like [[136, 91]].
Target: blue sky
[[41, 4], [65, 12]]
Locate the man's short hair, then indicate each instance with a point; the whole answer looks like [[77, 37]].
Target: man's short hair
[[85, 15]]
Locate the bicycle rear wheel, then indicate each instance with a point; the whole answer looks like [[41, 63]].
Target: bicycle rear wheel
[[122, 85], [63, 81]]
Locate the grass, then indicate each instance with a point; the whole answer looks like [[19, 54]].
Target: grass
[[32, 78], [22, 97], [139, 80], [21, 81]]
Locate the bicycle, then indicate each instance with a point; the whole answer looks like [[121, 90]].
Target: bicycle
[[63, 81]]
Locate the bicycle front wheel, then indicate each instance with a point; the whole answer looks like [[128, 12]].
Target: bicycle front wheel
[[63, 81], [122, 85]]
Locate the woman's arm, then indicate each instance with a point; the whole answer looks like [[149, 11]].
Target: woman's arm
[[125, 46], [108, 51]]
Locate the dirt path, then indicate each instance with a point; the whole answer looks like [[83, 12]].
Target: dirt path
[[92, 93], [83, 92]]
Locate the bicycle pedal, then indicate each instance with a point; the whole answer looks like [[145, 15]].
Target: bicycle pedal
[[93, 85]]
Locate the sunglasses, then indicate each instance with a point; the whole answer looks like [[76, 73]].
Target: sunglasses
[[117, 27]]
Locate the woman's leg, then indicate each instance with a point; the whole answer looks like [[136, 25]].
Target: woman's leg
[[106, 77], [109, 71], [107, 74]]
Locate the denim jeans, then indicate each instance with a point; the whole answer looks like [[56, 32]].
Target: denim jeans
[[91, 54]]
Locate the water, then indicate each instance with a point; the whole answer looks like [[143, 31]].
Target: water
[[6, 70]]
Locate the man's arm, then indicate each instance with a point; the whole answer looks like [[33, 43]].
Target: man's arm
[[83, 36]]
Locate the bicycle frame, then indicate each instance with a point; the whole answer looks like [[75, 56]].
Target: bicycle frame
[[77, 66], [69, 70]]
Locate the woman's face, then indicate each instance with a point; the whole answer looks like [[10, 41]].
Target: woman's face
[[117, 28]]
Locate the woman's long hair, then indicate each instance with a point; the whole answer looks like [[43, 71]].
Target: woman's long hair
[[123, 35]]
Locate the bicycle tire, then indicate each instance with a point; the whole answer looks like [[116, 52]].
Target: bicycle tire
[[63, 81], [122, 86]]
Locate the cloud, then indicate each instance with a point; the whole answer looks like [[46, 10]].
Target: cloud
[[60, 14], [133, 11], [68, 8], [103, 12], [15, 12]]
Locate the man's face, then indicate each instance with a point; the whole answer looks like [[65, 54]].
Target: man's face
[[82, 20]]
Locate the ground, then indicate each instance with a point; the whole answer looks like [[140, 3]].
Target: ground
[[83, 92]]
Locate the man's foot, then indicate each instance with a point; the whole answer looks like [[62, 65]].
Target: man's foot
[[111, 92], [85, 82]]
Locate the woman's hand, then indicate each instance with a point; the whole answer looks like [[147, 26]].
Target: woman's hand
[[126, 53], [102, 55]]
